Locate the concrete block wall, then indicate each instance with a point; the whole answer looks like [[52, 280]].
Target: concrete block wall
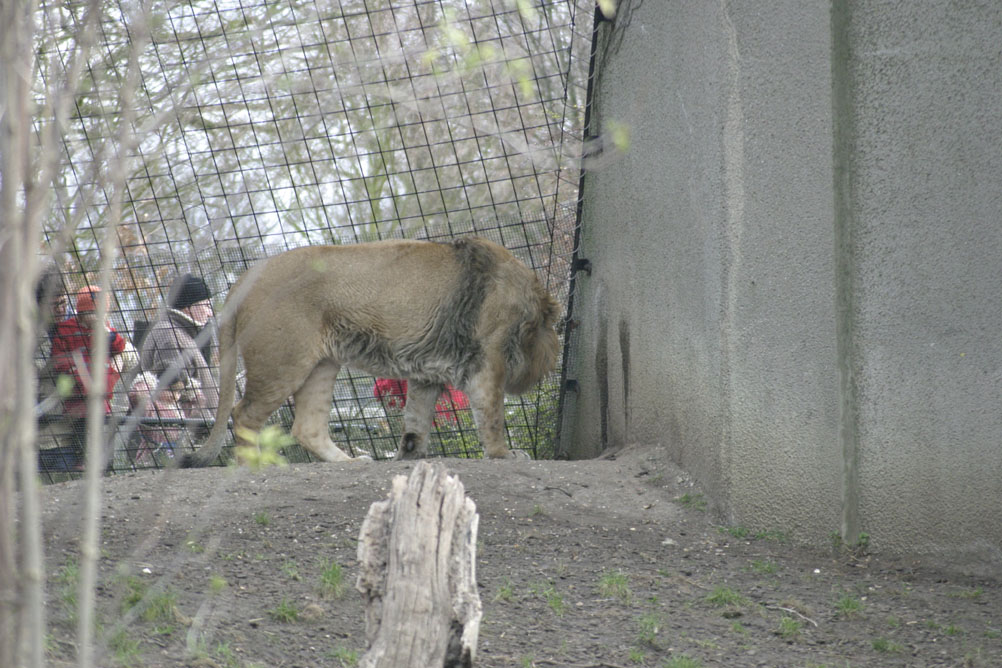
[[796, 265]]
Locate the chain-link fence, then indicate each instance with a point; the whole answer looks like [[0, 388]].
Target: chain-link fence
[[205, 135]]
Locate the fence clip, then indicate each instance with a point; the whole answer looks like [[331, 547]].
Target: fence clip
[[581, 264]]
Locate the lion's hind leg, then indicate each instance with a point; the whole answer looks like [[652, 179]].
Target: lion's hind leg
[[419, 414], [313, 406]]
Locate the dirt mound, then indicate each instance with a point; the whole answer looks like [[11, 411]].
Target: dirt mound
[[609, 562]]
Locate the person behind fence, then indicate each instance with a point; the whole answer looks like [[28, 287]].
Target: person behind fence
[[71, 357], [393, 393], [53, 307], [181, 342], [160, 432]]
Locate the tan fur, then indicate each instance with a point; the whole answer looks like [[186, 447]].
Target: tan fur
[[466, 313]]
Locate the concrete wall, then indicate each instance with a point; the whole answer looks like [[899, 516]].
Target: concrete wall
[[796, 265]]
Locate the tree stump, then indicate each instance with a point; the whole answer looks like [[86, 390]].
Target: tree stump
[[417, 574]]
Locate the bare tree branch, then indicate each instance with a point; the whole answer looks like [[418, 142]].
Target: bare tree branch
[[118, 169]]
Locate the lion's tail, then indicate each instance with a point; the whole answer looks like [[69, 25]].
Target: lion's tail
[[208, 453]]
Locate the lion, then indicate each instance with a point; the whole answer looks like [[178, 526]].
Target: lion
[[465, 313]]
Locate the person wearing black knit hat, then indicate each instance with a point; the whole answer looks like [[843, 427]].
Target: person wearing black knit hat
[[180, 343], [187, 290]]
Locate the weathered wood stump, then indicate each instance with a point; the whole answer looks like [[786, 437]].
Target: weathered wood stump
[[417, 573]]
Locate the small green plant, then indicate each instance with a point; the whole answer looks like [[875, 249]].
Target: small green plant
[[737, 532], [886, 646], [789, 628], [125, 647], [972, 594], [738, 627], [953, 630], [135, 590], [162, 607], [693, 501], [636, 656], [68, 579], [195, 547], [527, 661], [331, 579], [993, 633], [285, 612], [615, 585], [848, 606], [265, 447], [291, 570], [555, 601], [346, 658], [854, 550], [650, 626], [682, 661], [549, 593], [764, 567], [226, 655], [164, 629], [262, 518], [537, 510], [505, 591], [723, 596], [772, 534], [217, 583]]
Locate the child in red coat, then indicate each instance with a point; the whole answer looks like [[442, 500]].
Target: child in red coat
[[71, 357], [393, 392]]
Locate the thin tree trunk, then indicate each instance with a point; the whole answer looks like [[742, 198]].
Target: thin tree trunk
[[417, 560], [22, 624], [97, 454]]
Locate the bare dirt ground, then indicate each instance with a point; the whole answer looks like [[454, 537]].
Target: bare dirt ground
[[610, 563]]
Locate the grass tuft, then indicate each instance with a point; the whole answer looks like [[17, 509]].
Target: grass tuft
[[650, 627], [789, 628], [724, 596], [886, 646], [285, 612], [849, 606], [331, 579], [615, 585], [693, 501], [505, 591]]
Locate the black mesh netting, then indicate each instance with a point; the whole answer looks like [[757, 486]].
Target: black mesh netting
[[207, 134]]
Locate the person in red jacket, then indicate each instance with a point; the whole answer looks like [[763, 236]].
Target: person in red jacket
[[393, 393], [71, 356]]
